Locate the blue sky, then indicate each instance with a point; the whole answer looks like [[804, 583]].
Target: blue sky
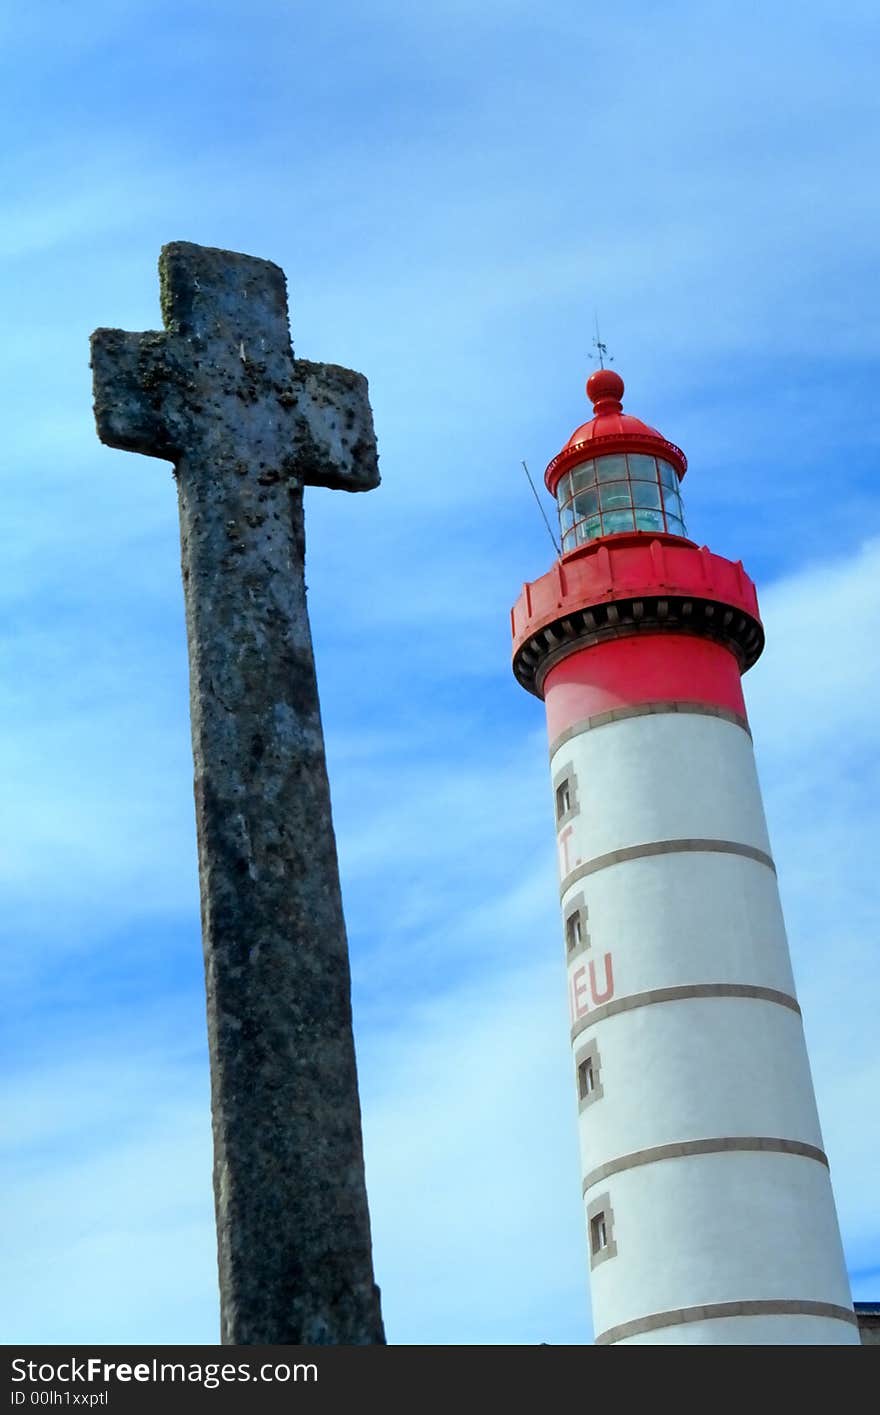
[[452, 190]]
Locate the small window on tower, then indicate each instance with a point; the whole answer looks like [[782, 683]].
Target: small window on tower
[[574, 932], [598, 1233], [563, 800], [588, 1070], [574, 924], [600, 1226], [565, 794]]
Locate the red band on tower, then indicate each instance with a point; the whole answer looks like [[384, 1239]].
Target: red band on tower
[[633, 671]]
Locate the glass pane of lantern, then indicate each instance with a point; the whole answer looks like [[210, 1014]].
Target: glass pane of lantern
[[589, 529], [668, 474], [611, 468], [563, 490], [641, 468], [615, 495], [566, 517], [647, 493], [584, 475], [569, 541], [675, 526], [649, 521], [587, 504], [617, 521], [672, 503]]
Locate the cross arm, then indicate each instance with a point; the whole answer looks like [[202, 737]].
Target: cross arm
[[130, 375], [335, 440]]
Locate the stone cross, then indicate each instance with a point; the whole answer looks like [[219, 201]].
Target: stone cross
[[220, 395]]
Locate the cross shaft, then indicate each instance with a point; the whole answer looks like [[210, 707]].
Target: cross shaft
[[219, 394]]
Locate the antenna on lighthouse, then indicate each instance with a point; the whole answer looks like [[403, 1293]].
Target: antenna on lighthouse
[[556, 547], [600, 347]]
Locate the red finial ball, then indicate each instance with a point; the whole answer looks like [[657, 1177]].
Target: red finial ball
[[605, 390]]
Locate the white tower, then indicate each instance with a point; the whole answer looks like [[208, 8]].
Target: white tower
[[708, 1205]]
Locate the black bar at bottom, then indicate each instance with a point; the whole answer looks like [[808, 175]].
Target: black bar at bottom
[[133, 1379]]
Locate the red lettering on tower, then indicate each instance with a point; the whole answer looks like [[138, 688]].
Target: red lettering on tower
[[578, 1008], [609, 981], [565, 864]]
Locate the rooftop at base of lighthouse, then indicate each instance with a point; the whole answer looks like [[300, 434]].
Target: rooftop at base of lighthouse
[[627, 566]]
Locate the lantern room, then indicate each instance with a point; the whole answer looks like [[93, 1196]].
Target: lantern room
[[616, 475]]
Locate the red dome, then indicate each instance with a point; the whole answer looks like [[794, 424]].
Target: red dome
[[610, 430]]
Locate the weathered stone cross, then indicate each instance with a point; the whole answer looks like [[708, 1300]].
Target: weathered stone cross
[[220, 395]]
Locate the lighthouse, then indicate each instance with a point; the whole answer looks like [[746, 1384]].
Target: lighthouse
[[709, 1214]]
